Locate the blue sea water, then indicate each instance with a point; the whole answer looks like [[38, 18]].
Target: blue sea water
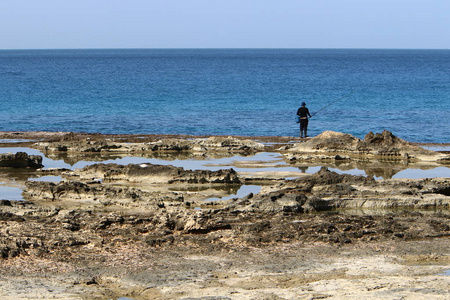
[[251, 92]]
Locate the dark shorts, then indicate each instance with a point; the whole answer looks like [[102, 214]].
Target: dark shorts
[[303, 124]]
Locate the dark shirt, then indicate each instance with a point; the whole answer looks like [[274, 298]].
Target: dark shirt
[[303, 112]]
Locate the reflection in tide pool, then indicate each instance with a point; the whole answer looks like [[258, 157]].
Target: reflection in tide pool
[[417, 173], [437, 148], [242, 192], [270, 162], [14, 141], [407, 173], [47, 178], [10, 193], [47, 162], [213, 164]]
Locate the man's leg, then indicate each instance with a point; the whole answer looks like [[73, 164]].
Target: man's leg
[[302, 127], [306, 128]]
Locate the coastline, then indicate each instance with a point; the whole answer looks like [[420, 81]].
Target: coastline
[[55, 134], [108, 230]]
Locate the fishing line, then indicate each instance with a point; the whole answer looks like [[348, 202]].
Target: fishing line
[[343, 97]]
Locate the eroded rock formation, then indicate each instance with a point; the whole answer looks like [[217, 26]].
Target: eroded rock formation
[[99, 195], [327, 190], [195, 145], [331, 145], [151, 173], [146, 232], [20, 160]]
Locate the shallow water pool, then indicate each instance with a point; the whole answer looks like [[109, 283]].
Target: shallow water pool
[[407, 173], [49, 178], [242, 192], [15, 141], [269, 162], [10, 193], [259, 162]]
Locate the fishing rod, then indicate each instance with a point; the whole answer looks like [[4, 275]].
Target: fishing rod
[[345, 96]]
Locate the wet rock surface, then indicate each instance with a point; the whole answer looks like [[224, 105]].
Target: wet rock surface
[[148, 231], [20, 160]]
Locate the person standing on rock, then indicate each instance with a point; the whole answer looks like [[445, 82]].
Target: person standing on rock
[[303, 114]]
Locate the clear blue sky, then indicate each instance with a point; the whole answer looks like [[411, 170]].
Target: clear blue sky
[[26, 24]]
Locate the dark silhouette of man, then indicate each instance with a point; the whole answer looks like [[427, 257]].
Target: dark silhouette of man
[[303, 113]]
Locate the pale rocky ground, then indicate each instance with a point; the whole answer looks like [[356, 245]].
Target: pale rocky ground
[[381, 270], [108, 232]]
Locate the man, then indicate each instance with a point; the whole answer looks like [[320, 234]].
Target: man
[[303, 113]]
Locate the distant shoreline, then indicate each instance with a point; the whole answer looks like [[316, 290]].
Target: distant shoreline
[[50, 135], [231, 48]]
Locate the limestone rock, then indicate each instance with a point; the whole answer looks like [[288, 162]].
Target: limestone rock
[[229, 143], [156, 174], [332, 145], [20, 160], [326, 190], [168, 144], [388, 145], [100, 195]]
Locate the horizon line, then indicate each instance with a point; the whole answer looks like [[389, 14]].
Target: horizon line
[[221, 48]]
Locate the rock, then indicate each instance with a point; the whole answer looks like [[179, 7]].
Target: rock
[[329, 141], [332, 145], [194, 145], [99, 194], [171, 145], [20, 160], [229, 143], [152, 173], [326, 190], [387, 145], [53, 171], [129, 234], [445, 161]]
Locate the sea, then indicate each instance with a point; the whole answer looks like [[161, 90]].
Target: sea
[[246, 92]]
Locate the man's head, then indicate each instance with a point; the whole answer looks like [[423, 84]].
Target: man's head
[[303, 104]]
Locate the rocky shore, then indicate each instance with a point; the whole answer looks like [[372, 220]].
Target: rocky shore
[[150, 231]]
